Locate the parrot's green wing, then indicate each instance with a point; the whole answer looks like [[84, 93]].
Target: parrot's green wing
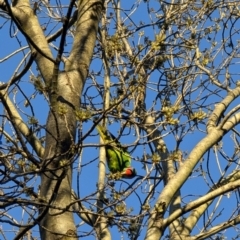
[[117, 159], [117, 156]]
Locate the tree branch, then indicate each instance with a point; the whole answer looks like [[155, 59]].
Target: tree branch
[[85, 37], [28, 24], [220, 227], [220, 108], [180, 177], [228, 184], [21, 125]]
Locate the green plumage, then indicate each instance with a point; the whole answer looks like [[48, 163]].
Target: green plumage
[[118, 159]]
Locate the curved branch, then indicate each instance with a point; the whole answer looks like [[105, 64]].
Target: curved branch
[[220, 227], [220, 108], [180, 177], [230, 183], [231, 122], [86, 215], [15, 78], [27, 22], [20, 125], [59, 32]]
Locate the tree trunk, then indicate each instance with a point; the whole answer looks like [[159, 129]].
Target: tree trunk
[[57, 177], [61, 127]]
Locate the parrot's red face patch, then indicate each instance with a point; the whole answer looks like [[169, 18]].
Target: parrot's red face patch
[[129, 173]]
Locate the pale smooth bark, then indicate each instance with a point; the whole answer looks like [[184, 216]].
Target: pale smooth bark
[[215, 133], [64, 89], [61, 129]]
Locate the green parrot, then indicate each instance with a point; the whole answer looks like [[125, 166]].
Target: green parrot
[[118, 159]]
